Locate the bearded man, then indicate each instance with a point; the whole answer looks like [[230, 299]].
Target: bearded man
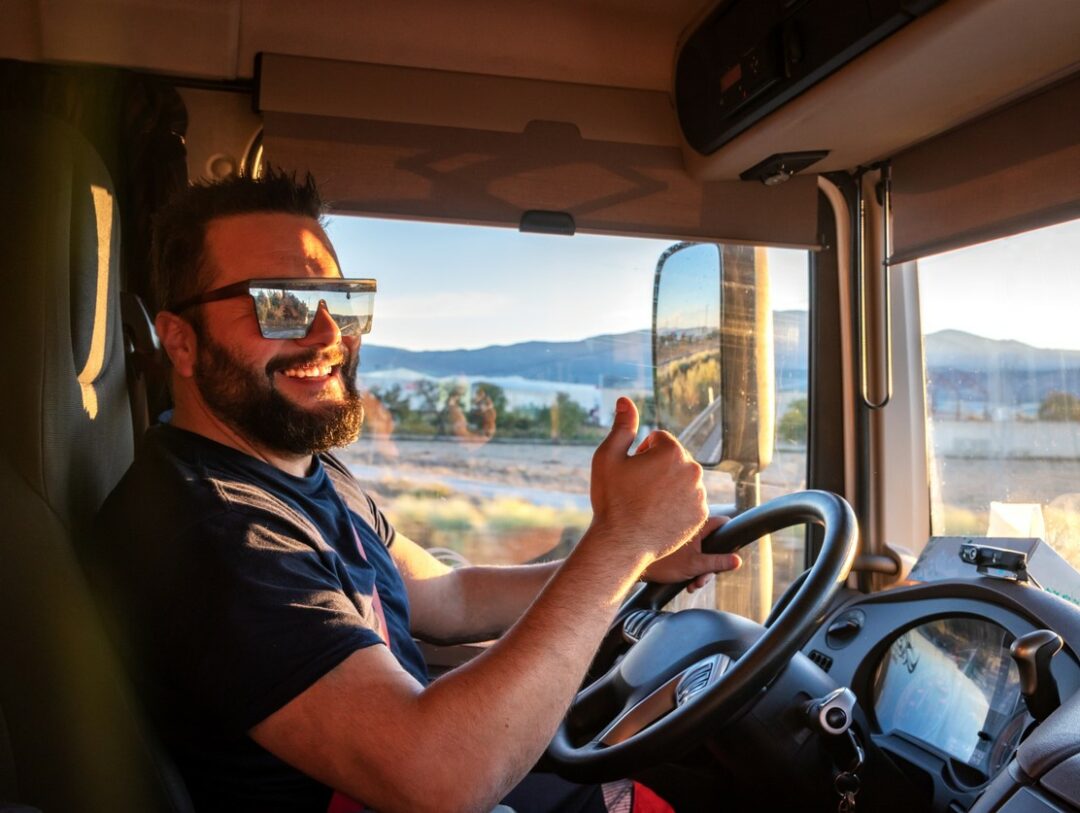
[[265, 604]]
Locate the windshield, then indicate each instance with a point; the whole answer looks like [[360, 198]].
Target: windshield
[[1001, 338], [491, 373]]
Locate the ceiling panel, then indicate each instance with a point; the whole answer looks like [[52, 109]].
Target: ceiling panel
[[189, 37], [622, 43]]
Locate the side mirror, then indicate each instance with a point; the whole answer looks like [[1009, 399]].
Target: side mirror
[[713, 355]]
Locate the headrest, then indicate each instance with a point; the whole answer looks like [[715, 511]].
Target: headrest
[[67, 422]]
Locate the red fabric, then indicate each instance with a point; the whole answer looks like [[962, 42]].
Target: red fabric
[[645, 801], [343, 804]]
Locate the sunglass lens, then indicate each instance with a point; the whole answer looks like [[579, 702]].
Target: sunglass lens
[[288, 313], [351, 310]]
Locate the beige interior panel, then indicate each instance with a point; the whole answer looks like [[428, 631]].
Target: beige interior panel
[[221, 128], [487, 177], [1007, 172], [189, 37], [322, 87], [21, 31], [955, 63], [620, 43]]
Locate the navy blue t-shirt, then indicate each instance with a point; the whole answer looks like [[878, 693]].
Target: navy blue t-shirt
[[234, 587]]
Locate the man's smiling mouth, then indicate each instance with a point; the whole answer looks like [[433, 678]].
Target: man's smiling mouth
[[310, 371]]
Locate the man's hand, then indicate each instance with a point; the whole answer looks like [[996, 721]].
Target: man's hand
[[652, 502], [689, 563]]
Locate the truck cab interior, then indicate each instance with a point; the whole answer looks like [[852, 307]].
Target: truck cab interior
[[841, 190]]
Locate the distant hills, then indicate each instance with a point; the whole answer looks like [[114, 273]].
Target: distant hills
[[957, 362], [966, 351], [972, 376], [607, 358], [596, 360]]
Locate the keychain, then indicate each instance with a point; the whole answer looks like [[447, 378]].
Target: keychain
[[847, 785]]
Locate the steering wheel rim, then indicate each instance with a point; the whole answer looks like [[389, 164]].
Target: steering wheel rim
[[741, 679]]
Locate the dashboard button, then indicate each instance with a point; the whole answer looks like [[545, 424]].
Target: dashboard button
[[836, 718]]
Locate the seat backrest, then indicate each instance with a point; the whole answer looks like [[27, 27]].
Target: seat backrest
[[70, 734]]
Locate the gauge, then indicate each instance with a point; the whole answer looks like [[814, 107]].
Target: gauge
[[1007, 742]]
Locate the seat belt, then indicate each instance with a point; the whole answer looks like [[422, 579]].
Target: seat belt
[[142, 354]]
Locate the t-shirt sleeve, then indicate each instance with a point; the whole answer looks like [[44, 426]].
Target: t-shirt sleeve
[[265, 615], [358, 500], [379, 522]]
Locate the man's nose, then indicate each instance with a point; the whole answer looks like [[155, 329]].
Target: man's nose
[[323, 331]]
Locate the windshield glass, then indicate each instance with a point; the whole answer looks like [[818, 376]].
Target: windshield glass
[[1002, 358], [491, 373]]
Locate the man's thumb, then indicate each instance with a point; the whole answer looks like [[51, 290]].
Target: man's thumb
[[624, 428]]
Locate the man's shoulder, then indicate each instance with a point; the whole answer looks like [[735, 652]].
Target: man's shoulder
[[357, 498], [339, 473], [180, 481]]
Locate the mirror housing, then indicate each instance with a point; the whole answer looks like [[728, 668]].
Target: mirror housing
[[713, 377]]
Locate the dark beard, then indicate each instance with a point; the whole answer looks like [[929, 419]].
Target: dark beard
[[248, 401]]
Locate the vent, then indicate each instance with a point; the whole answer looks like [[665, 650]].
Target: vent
[[637, 624], [821, 659]]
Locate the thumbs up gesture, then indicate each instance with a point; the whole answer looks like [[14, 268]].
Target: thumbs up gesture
[[653, 500]]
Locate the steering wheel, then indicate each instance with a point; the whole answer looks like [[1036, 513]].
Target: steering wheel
[[690, 672]]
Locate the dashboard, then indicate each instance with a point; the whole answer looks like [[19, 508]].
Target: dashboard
[[951, 684], [938, 690]]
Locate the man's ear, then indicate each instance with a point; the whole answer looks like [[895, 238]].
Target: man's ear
[[177, 337]]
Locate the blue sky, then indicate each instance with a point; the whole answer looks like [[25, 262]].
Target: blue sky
[[1025, 287], [450, 286]]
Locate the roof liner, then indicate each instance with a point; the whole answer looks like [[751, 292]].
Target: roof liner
[[620, 43], [958, 61]]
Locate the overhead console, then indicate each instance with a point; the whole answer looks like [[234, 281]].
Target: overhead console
[[749, 57]]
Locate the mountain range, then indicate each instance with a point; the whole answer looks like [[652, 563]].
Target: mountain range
[[966, 351], [958, 362], [607, 358]]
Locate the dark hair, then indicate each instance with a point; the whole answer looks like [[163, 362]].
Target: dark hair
[[178, 270]]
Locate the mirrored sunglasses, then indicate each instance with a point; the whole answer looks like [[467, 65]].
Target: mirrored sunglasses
[[286, 308]]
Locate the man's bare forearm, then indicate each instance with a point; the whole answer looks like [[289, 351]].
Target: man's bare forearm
[[488, 720], [514, 694], [487, 601]]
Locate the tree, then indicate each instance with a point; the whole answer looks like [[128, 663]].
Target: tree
[[427, 392], [485, 395], [792, 427], [1060, 406], [394, 400], [567, 417]]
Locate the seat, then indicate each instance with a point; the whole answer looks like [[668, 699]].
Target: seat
[[71, 736]]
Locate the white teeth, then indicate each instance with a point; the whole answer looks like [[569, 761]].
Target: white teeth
[[309, 371]]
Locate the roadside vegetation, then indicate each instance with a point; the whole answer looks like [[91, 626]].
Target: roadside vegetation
[[504, 530], [479, 413]]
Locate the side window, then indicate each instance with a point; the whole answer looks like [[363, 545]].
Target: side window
[[491, 374], [1002, 362]]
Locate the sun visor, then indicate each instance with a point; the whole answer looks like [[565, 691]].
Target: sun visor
[[1005, 173], [417, 143]]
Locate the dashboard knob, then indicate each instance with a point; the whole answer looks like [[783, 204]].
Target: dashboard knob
[[843, 630], [836, 718], [832, 713]]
